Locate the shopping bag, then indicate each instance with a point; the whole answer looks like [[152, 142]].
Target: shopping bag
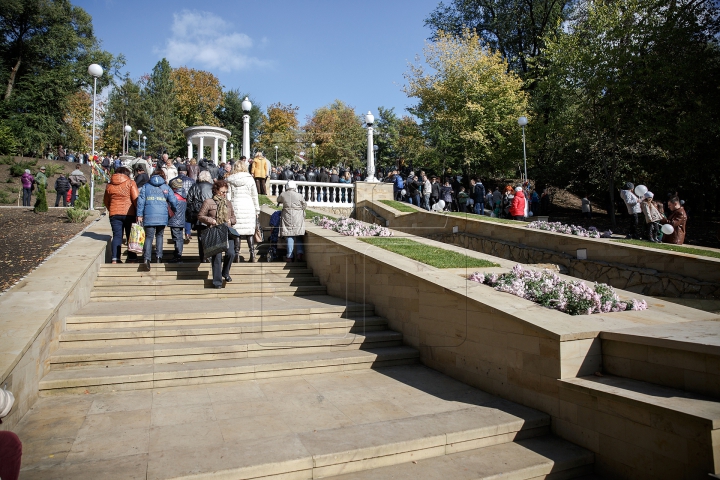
[[259, 236], [136, 242], [214, 240]]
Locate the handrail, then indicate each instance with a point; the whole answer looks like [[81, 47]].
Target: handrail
[[319, 194]]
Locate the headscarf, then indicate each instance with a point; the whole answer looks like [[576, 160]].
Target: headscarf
[[221, 216]]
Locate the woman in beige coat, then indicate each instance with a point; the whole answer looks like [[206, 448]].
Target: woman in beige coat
[[292, 220]]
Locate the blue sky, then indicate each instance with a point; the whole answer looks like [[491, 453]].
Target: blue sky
[[304, 52]]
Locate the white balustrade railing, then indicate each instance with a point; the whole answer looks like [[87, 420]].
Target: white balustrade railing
[[318, 194]]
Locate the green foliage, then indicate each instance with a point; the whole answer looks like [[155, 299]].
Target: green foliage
[[264, 200], [41, 204], [52, 169], [338, 133], [280, 127], [7, 160], [428, 254], [13, 189], [230, 115], [82, 202], [400, 206], [400, 141], [18, 167], [76, 215], [8, 143], [672, 248], [5, 197]]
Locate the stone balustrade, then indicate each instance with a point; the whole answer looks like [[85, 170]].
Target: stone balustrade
[[319, 194]]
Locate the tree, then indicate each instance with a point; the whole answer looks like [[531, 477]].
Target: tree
[[230, 115], [633, 92], [46, 46], [515, 28], [386, 136], [125, 106], [198, 96], [78, 120], [41, 204], [280, 126], [339, 135], [469, 103], [160, 102], [400, 141]]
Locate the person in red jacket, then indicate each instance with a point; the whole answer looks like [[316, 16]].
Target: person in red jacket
[[517, 207]]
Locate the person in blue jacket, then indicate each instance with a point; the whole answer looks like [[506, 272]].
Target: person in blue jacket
[[154, 203]]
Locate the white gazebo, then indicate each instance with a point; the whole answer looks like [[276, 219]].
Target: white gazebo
[[199, 134]]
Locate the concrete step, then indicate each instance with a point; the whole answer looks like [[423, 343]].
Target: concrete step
[[195, 351], [200, 316], [191, 277], [546, 457], [229, 291], [159, 272], [126, 268], [99, 337], [641, 423], [106, 379], [175, 284]]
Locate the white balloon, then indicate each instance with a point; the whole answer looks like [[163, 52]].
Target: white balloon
[[667, 229], [403, 192], [640, 190], [441, 203]]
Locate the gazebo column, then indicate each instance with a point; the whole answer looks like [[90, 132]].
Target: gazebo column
[[215, 151], [201, 148], [190, 149], [224, 151]]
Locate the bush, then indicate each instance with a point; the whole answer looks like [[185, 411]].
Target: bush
[[41, 204], [10, 180], [76, 215], [7, 160], [13, 189], [51, 169], [5, 197], [18, 168], [82, 202]]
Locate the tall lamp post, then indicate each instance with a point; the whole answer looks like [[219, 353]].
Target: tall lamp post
[[139, 132], [276, 149], [375, 151], [96, 71], [522, 121], [246, 107], [232, 150], [313, 145], [144, 144], [369, 120], [128, 129]]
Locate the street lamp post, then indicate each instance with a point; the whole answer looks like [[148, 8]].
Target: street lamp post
[[96, 71], [232, 150], [313, 150], [522, 121], [144, 144], [139, 132], [369, 120], [276, 149], [128, 129], [246, 107]]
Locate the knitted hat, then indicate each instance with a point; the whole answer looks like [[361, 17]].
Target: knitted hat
[[629, 186], [7, 399], [518, 189], [648, 194]]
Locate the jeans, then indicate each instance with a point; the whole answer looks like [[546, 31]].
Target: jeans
[[60, 195], [74, 194], [199, 229], [154, 232], [415, 199], [291, 244], [27, 196], [220, 267], [120, 224], [426, 202], [479, 208], [177, 234], [188, 228], [634, 226]]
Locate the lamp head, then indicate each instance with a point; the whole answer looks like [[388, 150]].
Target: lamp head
[[375, 147], [246, 105], [128, 128], [139, 132], [144, 138], [369, 119], [232, 145], [522, 121], [276, 147], [95, 70], [313, 145]]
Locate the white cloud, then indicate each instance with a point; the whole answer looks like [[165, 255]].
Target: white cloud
[[205, 40]]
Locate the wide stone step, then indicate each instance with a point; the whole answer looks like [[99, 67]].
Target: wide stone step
[[98, 337], [188, 278], [230, 291], [127, 268], [190, 273], [546, 457], [106, 379], [195, 351], [203, 317], [174, 284]]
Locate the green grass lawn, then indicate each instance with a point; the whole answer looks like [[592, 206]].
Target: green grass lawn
[[264, 200], [401, 206], [433, 256], [472, 216], [672, 248]]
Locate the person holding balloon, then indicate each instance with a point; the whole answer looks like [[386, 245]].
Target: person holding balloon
[[632, 202], [652, 216], [675, 225]]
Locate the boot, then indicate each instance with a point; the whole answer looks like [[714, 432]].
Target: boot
[[251, 247]]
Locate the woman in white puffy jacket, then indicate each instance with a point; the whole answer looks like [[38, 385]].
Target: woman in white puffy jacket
[[244, 197]]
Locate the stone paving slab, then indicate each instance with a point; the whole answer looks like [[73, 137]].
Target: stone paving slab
[[700, 337], [256, 428]]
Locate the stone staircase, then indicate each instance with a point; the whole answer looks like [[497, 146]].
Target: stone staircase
[[165, 328]]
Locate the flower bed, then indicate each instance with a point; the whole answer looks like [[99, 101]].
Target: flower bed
[[562, 228], [549, 290], [352, 228]]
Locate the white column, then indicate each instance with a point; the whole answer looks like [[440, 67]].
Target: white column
[[201, 148], [370, 157], [246, 136], [190, 149], [224, 151], [215, 151]]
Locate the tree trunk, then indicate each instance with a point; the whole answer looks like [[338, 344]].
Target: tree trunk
[[11, 80]]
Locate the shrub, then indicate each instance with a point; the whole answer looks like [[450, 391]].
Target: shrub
[[10, 180], [76, 215], [82, 202], [18, 168], [41, 204], [13, 189], [7, 160], [5, 197], [52, 169]]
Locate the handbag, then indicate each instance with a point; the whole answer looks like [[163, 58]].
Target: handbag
[[136, 242], [214, 240], [259, 236], [232, 233]]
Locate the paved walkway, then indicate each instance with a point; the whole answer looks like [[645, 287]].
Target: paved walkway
[[165, 433]]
